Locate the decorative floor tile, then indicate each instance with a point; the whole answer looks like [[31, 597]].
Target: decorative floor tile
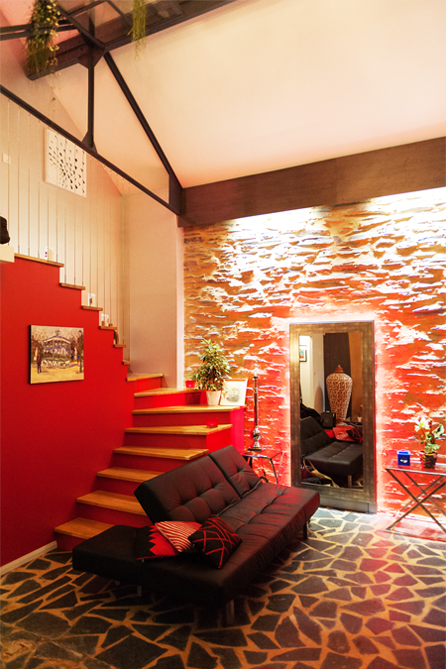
[[348, 597]]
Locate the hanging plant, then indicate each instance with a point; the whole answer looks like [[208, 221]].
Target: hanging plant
[[139, 24], [40, 45]]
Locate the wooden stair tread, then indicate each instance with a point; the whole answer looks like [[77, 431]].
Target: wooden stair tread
[[168, 453], [126, 474], [108, 327], [138, 377], [71, 285], [83, 528], [85, 306], [166, 391], [190, 430], [188, 408], [47, 262], [112, 500], [126, 362]]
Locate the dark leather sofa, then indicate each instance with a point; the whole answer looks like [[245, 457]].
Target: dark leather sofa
[[341, 460], [266, 516]]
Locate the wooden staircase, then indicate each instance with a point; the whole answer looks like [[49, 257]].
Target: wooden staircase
[[170, 428]]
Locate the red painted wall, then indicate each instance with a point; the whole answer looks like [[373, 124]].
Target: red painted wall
[[55, 436]]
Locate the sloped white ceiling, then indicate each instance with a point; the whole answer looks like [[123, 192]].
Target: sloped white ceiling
[[265, 84]]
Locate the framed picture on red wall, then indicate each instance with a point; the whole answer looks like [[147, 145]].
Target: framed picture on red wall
[[55, 354]]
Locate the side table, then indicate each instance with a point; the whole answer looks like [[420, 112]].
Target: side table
[[260, 455], [436, 480]]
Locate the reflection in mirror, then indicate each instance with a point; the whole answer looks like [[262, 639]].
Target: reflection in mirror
[[332, 411], [330, 369]]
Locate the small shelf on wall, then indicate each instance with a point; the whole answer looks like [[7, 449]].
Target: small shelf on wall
[[6, 253]]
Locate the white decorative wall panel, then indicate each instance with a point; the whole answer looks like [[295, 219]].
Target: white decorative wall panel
[[65, 164]]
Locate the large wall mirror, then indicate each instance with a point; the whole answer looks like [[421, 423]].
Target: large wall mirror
[[332, 370]]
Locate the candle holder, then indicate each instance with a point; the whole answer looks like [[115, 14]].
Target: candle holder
[[256, 432]]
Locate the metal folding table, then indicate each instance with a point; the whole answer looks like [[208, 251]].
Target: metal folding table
[[261, 455], [419, 492]]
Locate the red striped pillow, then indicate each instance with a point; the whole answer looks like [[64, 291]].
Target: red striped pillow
[[177, 532]]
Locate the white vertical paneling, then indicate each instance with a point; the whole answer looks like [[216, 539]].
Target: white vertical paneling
[[86, 234]]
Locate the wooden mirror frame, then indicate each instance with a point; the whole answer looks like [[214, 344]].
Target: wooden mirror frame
[[362, 500]]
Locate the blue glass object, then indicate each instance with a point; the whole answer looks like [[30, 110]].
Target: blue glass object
[[404, 458]]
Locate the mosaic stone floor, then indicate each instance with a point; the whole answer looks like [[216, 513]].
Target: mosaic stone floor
[[349, 597]]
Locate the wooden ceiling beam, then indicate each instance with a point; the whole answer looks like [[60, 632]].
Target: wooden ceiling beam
[[354, 178]]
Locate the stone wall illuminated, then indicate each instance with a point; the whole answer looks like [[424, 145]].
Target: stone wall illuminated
[[383, 259]]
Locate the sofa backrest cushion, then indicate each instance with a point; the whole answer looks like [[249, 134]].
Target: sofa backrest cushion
[[235, 469], [192, 492], [312, 436]]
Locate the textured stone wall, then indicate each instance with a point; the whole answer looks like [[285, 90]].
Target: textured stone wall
[[383, 259]]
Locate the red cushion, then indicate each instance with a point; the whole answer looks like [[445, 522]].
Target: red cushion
[[150, 544], [216, 540], [347, 433]]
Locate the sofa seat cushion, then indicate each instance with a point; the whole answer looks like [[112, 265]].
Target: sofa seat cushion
[[235, 469], [338, 459], [192, 492], [269, 517]]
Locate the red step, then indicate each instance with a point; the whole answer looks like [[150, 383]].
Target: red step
[[166, 397], [144, 382], [190, 436], [195, 414]]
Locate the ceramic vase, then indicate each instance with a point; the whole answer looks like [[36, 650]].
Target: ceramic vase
[[213, 397], [339, 387], [428, 460]]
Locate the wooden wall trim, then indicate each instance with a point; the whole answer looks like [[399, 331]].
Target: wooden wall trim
[[399, 169]]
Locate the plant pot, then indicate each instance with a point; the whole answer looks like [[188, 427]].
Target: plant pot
[[428, 460], [213, 397]]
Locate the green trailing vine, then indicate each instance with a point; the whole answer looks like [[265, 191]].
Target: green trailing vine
[[139, 24], [40, 45]]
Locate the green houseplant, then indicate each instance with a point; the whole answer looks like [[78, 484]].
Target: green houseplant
[[138, 30], [40, 45], [427, 434], [212, 372]]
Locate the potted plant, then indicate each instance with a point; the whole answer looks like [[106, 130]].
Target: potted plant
[[212, 372], [40, 44], [427, 434]]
